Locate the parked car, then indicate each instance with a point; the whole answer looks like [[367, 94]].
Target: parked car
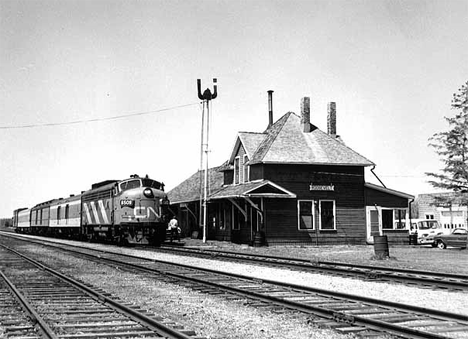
[[457, 238]]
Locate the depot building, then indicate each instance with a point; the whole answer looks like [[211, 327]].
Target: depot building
[[292, 183]]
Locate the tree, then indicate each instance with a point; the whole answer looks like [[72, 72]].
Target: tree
[[452, 148]]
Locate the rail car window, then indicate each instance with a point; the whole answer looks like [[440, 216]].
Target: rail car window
[[152, 183], [127, 185]]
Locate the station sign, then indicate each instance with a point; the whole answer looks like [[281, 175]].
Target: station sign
[[313, 187]]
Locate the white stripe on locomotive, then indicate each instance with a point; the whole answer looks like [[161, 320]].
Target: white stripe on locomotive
[[103, 211], [95, 212], [88, 215]]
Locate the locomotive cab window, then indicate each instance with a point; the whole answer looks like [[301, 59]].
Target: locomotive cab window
[[152, 183], [127, 185]]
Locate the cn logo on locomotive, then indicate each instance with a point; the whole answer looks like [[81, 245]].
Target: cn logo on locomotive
[[145, 212], [127, 203]]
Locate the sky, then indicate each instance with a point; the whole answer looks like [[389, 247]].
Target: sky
[[92, 90]]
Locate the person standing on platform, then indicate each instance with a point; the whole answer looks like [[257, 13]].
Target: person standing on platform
[[174, 228]]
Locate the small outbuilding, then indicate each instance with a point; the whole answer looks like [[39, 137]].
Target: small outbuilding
[[292, 183]]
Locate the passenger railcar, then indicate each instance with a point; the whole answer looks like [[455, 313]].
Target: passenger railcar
[[133, 210]]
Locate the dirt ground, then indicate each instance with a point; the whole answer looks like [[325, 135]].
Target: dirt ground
[[417, 257]]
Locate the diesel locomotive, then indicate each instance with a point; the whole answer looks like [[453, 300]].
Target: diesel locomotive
[[130, 211]]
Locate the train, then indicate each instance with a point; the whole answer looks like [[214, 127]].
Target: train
[[124, 212]]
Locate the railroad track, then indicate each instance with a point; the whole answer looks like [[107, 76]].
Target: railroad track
[[436, 280], [418, 278], [346, 313], [39, 302]]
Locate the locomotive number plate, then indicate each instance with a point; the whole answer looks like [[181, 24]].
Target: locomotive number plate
[[127, 203]]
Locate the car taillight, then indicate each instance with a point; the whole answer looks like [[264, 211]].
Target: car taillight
[[148, 192]]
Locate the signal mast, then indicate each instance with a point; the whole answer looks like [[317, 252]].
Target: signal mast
[[206, 96]]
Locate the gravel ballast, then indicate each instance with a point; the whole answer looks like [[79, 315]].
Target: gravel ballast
[[217, 317], [212, 317]]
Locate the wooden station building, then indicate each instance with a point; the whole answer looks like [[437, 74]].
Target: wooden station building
[[292, 183]]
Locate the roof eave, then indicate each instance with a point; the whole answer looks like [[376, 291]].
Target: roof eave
[[389, 191], [311, 163]]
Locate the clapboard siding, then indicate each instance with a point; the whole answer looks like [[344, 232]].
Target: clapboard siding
[[374, 197], [282, 225]]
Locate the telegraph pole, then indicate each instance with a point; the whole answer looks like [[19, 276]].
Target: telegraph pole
[[206, 96]]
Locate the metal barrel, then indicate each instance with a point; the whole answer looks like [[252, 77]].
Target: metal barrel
[[381, 246], [258, 239]]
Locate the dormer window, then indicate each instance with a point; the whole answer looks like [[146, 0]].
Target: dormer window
[[236, 170], [245, 169]]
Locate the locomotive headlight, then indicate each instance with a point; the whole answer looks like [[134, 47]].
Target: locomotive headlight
[[148, 192]]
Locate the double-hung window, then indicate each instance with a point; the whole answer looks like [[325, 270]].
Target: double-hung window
[[327, 215], [236, 170], [305, 214], [245, 168]]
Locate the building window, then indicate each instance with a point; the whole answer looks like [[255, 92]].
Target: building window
[[58, 213], [236, 170], [40, 218], [305, 214], [327, 215], [387, 219], [399, 221], [245, 169], [430, 216], [36, 217]]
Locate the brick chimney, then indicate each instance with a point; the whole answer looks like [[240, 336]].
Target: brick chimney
[[331, 119], [305, 114]]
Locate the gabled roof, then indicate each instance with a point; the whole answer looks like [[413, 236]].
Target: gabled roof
[[250, 141], [258, 188], [190, 189], [286, 143]]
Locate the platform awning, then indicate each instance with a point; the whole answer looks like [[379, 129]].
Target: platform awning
[[253, 189]]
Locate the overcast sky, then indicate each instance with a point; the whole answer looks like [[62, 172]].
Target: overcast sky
[[69, 67]]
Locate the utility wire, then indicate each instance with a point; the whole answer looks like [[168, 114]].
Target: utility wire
[[50, 124]]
